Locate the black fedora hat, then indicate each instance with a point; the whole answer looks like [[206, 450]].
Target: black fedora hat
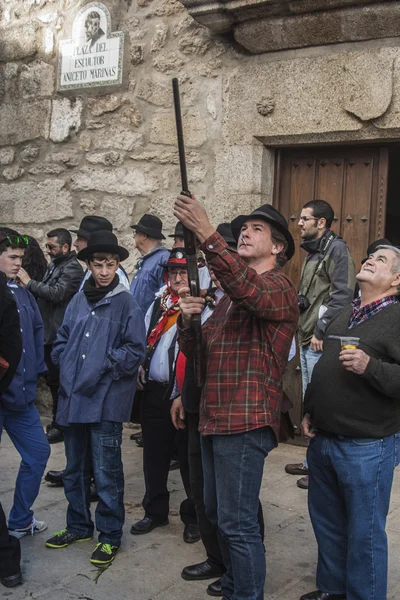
[[151, 225], [271, 215], [178, 230], [177, 258], [103, 241], [225, 231], [90, 224], [373, 247]]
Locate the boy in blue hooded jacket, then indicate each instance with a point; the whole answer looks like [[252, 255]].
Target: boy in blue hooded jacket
[[99, 348]]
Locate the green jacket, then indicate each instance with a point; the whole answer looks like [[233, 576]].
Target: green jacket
[[328, 285]]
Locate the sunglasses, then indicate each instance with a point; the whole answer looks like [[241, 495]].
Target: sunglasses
[[51, 246], [14, 240]]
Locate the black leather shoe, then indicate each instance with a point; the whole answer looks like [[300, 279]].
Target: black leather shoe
[[145, 526], [318, 595], [55, 477], [12, 580], [215, 588], [201, 571], [55, 435], [174, 465], [191, 533], [139, 441]]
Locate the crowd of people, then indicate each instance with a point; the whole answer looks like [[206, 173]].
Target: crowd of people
[[112, 351]]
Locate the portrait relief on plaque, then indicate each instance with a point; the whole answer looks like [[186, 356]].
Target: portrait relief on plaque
[[94, 55]]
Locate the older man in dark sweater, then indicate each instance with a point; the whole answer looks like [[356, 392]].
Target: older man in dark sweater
[[353, 419]]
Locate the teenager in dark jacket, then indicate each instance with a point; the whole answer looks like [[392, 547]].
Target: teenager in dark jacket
[[99, 348], [10, 354], [18, 413], [60, 282]]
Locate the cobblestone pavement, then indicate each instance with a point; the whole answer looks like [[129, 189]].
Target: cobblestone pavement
[[148, 567]]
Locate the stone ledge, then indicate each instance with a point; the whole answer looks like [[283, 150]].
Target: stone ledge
[[273, 25]]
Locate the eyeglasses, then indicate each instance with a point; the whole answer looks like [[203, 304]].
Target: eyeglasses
[[14, 240], [305, 219], [175, 274], [51, 246]]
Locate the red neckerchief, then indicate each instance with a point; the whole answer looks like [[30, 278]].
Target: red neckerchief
[[169, 314]]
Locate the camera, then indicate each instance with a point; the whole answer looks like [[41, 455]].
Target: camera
[[303, 302]]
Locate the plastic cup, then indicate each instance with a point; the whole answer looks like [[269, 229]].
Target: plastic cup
[[349, 343]]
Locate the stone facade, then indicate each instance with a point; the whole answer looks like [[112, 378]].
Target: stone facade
[[113, 151]]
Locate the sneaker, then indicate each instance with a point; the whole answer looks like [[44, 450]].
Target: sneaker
[[34, 527], [63, 538], [103, 554]]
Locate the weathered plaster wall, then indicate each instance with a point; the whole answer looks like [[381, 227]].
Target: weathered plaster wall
[[114, 153]]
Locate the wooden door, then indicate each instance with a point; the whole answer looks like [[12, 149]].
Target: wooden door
[[354, 182]]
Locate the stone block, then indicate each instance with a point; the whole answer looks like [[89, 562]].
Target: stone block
[[155, 92], [121, 180], [169, 63], [119, 211], [12, 173], [29, 154], [7, 156], [130, 115], [69, 159], [18, 41], [117, 138], [106, 104], [31, 202], [159, 37], [23, 121], [36, 80], [65, 117], [47, 169], [163, 129], [136, 55], [109, 159]]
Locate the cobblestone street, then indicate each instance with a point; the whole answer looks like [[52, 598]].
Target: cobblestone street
[[148, 567]]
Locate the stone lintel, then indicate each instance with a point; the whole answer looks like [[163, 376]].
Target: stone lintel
[[273, 25]]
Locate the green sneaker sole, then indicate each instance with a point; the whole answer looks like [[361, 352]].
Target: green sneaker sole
[[102, 562], [56, 546]]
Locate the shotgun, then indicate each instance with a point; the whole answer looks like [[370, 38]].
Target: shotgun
[[189, 238]]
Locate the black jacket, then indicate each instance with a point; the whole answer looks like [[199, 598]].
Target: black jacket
[[60, 282], [10, 335]]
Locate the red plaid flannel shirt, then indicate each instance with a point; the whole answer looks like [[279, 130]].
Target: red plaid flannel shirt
[[246, 343]]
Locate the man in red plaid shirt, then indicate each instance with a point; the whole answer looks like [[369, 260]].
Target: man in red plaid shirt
[[246, 344]]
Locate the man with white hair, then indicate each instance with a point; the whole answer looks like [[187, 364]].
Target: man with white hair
[[352, 418]]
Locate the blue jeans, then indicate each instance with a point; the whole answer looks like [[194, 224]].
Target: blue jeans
[[233, 467], [26, 433], [348, 501], [102, 442], [308, 360]]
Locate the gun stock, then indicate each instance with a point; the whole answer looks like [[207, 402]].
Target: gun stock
[[189, 237]]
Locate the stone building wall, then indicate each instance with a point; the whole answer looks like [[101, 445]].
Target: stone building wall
[[64, 155], [113, 152]]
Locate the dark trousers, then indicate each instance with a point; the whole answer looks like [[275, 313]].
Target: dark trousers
[[52, 379], [10, 551], [208, 531], [160, 440]]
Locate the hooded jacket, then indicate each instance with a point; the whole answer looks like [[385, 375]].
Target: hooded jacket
[[327, 280], [22, 390], [99, 349], [60, 282]]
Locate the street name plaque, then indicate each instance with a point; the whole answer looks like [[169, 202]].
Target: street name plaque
[[94, 55]]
